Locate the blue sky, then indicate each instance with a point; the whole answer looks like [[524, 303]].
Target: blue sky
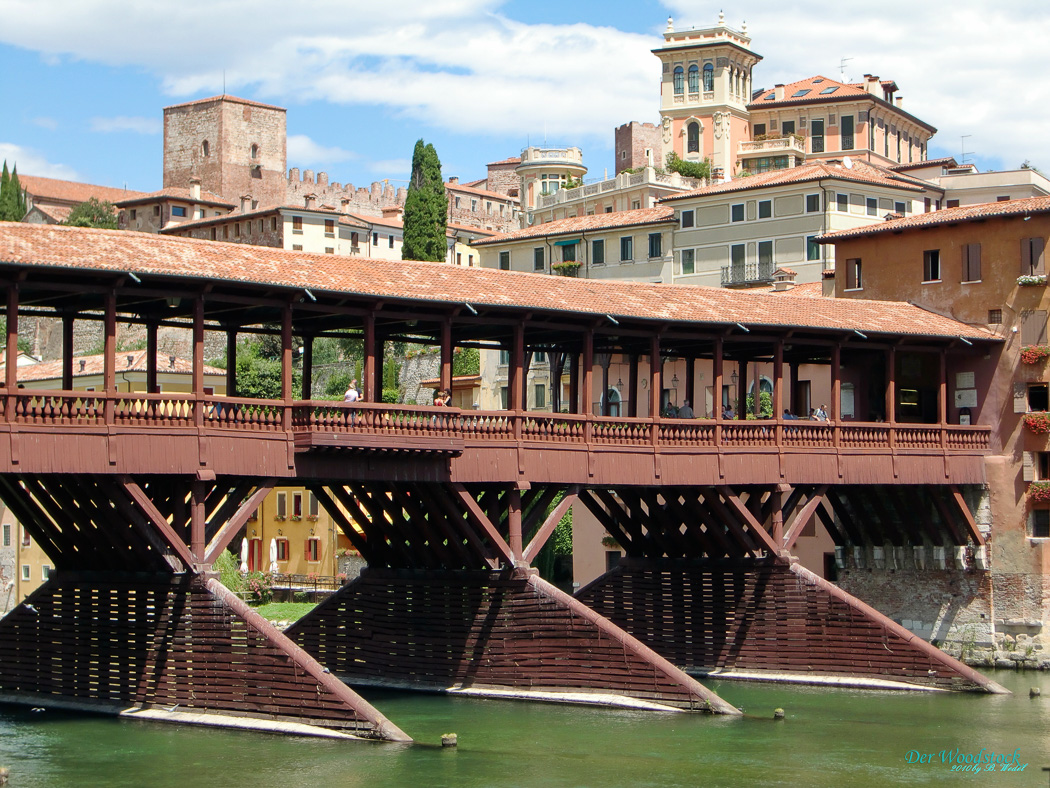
[[480, 79]]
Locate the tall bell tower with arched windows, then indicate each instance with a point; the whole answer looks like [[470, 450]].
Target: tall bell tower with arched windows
[[705, 88]]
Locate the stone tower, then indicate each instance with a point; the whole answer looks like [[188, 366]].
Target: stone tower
[[705, 88], [236, 147]]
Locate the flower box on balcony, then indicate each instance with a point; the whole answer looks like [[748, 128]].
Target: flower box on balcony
[[1039, 492], [566, 269], [1031, 280], [1039, 423], [1033, 354]]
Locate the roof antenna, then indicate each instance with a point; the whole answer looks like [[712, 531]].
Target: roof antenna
[[224, 83], [842, 68], [963, 153]]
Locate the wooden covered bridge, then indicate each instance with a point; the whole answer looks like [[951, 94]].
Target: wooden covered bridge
[[134, 495]]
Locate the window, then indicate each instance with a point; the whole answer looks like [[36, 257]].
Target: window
[[800, 93], [1033, 256], [26, 541], [1040, 523], [694, 79], [297, 247], [765, 209], [1033, 327], [853, 274], [760, 129], [995, 317], [282, 505], [504, 260], [297, 504], [537, 259], [539, 396], [679, 81], [329, 228], [598, 252], [737, 259], [375, 239], [828, 91], [390, 241], [297, 225], [7, 535], [842, 202], [236, 229], [816, 136], [787, 128], [504, 358], [312, 505], [765, 259], [931, 265], [900, 207], [133, 214], [25, 573], [273, 226], [688, 261], [1039, 401], [655, 245], [627, 248], [459, 257], [709, 77], [178, 210], [812, 203], [470, 261], [951, 204], [473, 205], [736, 212], [204, 148], [504, 397], [846, 132], [329, 250], [45, 572], [688, 219], [313, 549], [1003, 198], [282, 549], [612, 558], [812, 248], [568, 253], [693, 138], [971, 263], [872, 206]]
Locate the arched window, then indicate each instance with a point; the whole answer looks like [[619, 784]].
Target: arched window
[[204, 148], [692, 132], [694, 79], [709, 77], [679, 81], [255, 151], [612, 403]]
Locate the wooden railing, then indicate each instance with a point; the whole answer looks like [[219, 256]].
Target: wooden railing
[[67, 408]]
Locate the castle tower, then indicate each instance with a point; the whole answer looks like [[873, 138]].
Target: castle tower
[[704, 92], [234, 146]]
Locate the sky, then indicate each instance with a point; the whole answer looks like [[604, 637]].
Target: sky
[[86, 80]]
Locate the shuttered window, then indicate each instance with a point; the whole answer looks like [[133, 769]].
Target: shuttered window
[[1033, 254], [1033, 328], [971, 263]]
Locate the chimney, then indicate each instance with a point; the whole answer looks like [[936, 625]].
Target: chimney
[[778, 92], [783, 279], [246, 202], [171, 362], [871, 84], [83, 363], [309, 199], [453, 180], [827, 282], [898, 100], [130, 360], [195, 188]]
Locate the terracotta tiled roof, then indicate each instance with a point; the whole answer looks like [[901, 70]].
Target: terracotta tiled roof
[[464, 187], [247, 215], [803, 290], [860, 172], [511, 160], [944, 161], [381, 221], [466, 228], [95, 365], [56, 213], [578, 224], [176, 193], [477, 184], [967, 213], [148, 255], [234, 99], [72, 192]]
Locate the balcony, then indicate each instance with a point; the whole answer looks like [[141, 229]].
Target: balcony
[[747, 275], [772, 147], [667, 182]]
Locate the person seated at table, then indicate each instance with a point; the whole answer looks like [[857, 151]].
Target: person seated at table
[[686, 411], [789, 416], [728, 412]]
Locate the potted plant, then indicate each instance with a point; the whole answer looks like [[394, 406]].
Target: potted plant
[[1039, 492], [1038, 422], [1031, 280], [1033, 354], [570, 268]]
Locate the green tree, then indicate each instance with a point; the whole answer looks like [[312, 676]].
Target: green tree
[[690, 169], [93, 213], [426, 208], [12, 196], [259, 371]]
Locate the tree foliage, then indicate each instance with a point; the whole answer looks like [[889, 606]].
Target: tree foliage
[[426, 208], [93, 213], [12, 196], [259, 371], [466, 362], [690, 169]]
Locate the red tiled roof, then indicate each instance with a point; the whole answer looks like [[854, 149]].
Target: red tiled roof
[[95, 365], [477, 184], [147, 255], [247, 215], [176, 193], [966, 213], [72, 192], [511, 160], [463, 187], [578, 224], [944, 161], [803, 290], [224, 97], [860, 172]]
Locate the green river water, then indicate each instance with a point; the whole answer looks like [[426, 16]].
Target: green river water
[[831, 737]]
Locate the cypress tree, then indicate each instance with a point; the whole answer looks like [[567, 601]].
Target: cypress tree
[[426, 208], [19, 194], [7, 207]]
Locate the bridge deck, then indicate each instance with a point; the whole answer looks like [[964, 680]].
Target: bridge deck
[[66, 432]]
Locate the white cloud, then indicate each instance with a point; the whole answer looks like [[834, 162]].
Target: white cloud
[[392, 166], [303, 150], [30, 162], [122, 123], [46, 123]]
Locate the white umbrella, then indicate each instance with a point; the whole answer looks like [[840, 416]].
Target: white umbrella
[[244, 556], [274, 569]]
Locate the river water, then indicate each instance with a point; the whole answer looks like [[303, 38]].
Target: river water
[[830, 737]]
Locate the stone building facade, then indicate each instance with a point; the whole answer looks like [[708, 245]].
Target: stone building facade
[[638, 145]]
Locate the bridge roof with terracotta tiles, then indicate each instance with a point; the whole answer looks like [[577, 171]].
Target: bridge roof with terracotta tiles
[[181, 260]]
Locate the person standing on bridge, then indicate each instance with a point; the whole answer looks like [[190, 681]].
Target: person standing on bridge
[[352, 394], [686, 411]]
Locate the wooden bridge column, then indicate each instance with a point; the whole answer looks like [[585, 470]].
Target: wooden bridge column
[[942, 391], [655, 379], [836, 385], [690, 383], [741, 391], [197, 382], [151, 357], [778, 381], [11, 351], [514, 524], [891, 386], [446, 355], [67, 350], [286, 354], [793, 390], [716, 398], [231, 362], [587, 387], [308, 363], [109, 369], [632, 373], [368, 368]]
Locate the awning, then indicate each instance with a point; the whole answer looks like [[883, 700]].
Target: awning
[[567, 243]]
